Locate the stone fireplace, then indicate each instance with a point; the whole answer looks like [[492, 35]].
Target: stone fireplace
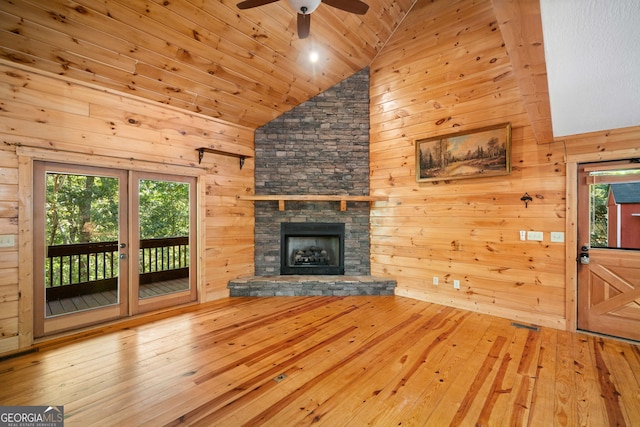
[[269, 221], [311, 248], [320, 147]]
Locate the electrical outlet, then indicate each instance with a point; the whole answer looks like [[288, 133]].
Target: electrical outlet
[[456, 284], [435, 280]]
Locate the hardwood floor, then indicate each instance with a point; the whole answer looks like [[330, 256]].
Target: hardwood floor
[[333, 361]]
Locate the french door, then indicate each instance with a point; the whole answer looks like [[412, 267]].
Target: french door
[[109, 243], [609, 248]]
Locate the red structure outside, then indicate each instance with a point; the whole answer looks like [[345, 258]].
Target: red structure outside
[[624, 216]]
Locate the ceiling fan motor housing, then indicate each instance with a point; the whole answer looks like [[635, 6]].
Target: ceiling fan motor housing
[[304, 7]]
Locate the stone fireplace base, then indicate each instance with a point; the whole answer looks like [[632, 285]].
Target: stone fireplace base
[[314, 285]]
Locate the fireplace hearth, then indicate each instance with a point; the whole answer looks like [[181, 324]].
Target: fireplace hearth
[[311, 248]]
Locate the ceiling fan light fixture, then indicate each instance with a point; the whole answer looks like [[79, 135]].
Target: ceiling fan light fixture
[[304, 7]]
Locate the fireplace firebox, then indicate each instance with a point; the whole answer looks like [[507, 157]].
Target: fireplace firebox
[[311, 248]]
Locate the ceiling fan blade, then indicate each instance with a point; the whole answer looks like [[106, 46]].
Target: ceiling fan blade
[[248, 4], [353, 6], [304, 25]]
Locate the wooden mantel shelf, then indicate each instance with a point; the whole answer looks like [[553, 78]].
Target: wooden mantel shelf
[[343, 199]]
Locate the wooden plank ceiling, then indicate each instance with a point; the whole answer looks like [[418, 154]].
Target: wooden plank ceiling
[[242, 66]]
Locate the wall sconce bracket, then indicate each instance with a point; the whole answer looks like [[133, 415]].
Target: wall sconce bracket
[[526, 199]]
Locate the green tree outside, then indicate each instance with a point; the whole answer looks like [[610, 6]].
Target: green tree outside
[[598, 229], [85, 209]]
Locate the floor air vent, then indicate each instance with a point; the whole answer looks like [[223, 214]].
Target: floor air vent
[[280, 378], [523, 326]]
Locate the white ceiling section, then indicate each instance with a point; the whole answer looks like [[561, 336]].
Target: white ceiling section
[[592, 50]]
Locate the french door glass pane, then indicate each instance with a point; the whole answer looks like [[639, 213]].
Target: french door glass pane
[[164, 237], [81, 232]]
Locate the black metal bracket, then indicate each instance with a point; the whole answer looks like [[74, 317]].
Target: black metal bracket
[[526, 199]]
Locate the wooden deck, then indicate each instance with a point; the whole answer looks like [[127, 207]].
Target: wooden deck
[[332, 361], [101, 299]]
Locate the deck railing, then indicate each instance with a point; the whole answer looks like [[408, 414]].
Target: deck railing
[[164, 259], [83, 268]]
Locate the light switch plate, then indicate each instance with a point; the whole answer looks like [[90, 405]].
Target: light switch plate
[[557, 236], [7, 240], [534, 235]]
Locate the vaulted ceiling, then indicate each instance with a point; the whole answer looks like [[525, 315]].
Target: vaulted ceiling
[[242, 66], [249, 66]]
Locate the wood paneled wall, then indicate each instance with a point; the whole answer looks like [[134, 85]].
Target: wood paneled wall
[[446, 70], [44, 116]]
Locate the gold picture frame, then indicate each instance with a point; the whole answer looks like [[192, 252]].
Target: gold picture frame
[[471, 154]]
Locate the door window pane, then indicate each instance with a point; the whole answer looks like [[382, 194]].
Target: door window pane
[[164, 256], [81, 233], [614, 209]]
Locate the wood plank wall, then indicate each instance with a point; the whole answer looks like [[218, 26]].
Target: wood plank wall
[[446, 70], [42, 113]]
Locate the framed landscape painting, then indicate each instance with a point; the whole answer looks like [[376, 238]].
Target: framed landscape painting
[[472, 154]]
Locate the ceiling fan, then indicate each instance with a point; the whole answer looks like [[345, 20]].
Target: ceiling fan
[[305, 7]]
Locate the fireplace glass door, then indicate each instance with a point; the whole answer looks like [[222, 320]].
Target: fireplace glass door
[[312, 248]]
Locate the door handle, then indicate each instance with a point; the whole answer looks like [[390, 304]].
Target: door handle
[[122, 256], [584, 255]]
